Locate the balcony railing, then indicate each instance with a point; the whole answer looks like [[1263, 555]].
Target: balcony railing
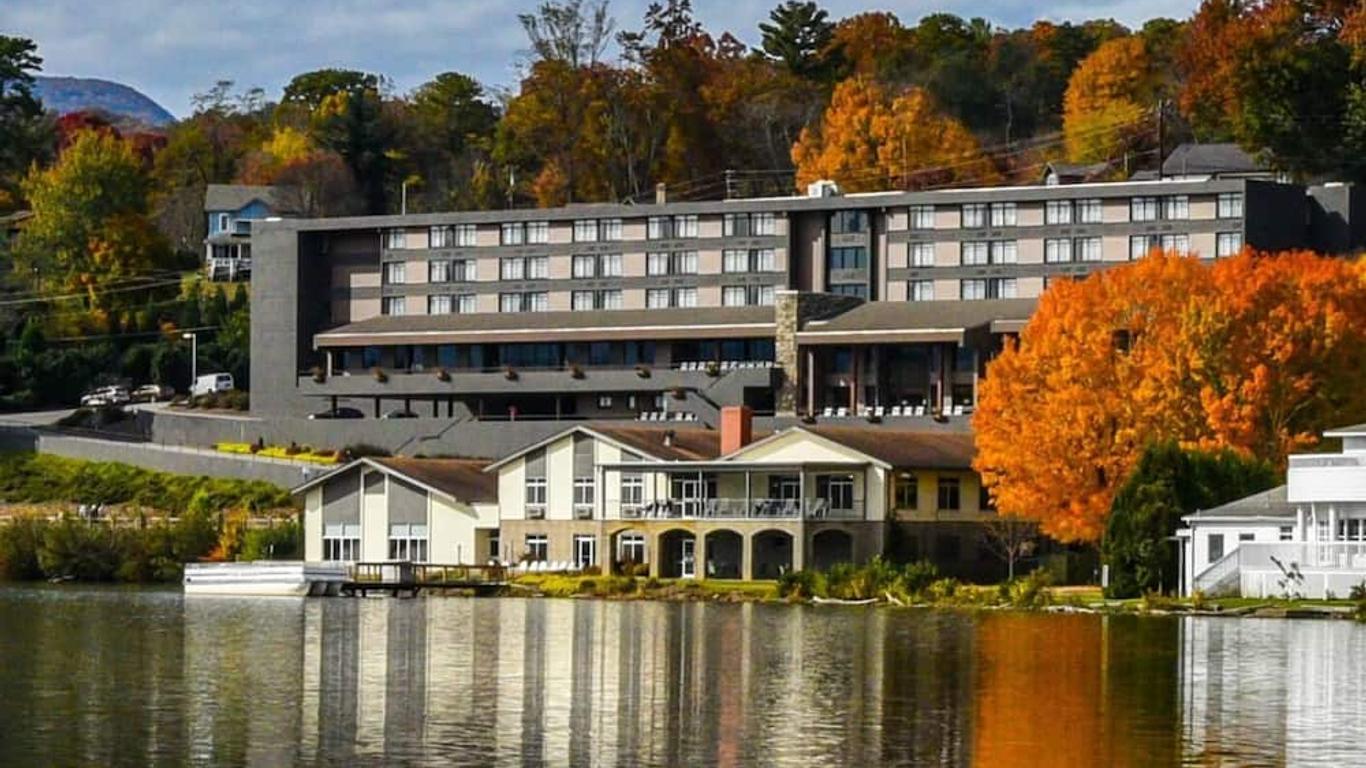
[[745, 509], [1328, 460]]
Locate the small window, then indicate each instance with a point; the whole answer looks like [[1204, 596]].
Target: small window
[[922, 217], [1247, 537], [537, 547], [920, 290], [763, 224], [584, 266], [974, 216], [465, 235], [604, 401], [513, 234], [1228, 244], [1057, 250], [949, 492], [395, 305], [224, 222], [658, 228], [538, 232], [395, 273], [922, 255], [1058, 212], [1003, 214], [907, 491], [395, 238], [609, 265], [1231, 205], [763, 260], [1089, 211], [586, 231], [609, 230], [734, 261], [1216, 547], [685, 226]]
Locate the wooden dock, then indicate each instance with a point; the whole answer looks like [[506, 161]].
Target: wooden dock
[[404, 579]]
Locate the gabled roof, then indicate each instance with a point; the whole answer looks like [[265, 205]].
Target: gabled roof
[[892, 448], [456, 479], [235, 197], [1356, 430], [1210, 160], [1073, 173], [1272, 503], [690, 444]]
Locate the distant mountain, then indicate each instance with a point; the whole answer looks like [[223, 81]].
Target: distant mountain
[[73, 94]]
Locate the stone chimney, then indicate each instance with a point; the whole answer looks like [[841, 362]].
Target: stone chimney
[[661, 194], [737, 428]]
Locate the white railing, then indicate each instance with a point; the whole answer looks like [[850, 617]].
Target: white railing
[[1330, 460], [1335, 555], [744, 509], [1219, 571]]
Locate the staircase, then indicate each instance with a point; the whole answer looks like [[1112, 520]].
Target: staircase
[[1222, 578]]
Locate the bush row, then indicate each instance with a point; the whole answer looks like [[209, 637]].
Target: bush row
[[38, 478], [917, 582]]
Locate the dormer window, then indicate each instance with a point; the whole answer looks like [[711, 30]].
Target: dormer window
[[223, 222]]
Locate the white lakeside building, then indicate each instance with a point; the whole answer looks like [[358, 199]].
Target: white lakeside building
[[1306, 538]]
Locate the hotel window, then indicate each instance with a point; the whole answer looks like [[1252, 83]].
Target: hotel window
[[609, 230], [461, 304], [1002, 214], [1140, 245], [439, 305], [584, 497], [733, 296], [537, 547], [631, 547], [408, 542], [512, 269], [657, 298], [395, 273], [922, 217], [685, 263], [609, 265], [1143, 209], [1228, 244], [974, 215], [587, 300], [735, 225], [538, 232], [976, 253], [949, 493], [848, 222], [685, 226], [534, 301], [1176, 243], [658, 228], [1057, 212], [438, 271], [580, 301], [920, 290], [763, 260], [1004, 252], [341, 542], [462, 270], [1231, 205], [857, 290], [584, 266], [538, 267], [609, 299], [656, 264], [1057, 250], [395, 305], [685, 297], [1089, 211], [441, 237], [513, 234], [1176, 207], [849, 258], [1087, 249], [989, 288], [922, 255], [763, 224], [466, 235], [907, 491], [632, 494], [586, 231], [761, 295], [735, 261], [395, 238]]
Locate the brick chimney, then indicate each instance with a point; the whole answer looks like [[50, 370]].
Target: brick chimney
[[737, 428]]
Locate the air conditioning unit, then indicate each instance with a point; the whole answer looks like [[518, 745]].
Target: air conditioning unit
[[822, 188]]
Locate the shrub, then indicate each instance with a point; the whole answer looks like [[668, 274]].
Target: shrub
[[802, 584], [1029, 591], [588, 587], [942, 590], [282, 541], [19, 543], [916, 577]]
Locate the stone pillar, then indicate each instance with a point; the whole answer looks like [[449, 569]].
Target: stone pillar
[[700, 555], [785, 351], [654, 554], [747, 556], [799, 547]]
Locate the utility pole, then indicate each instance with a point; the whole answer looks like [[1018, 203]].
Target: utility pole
[[1161, 136]]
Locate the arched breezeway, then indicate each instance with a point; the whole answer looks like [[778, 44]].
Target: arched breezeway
[[771, 554], [725, 555], [830, 547]]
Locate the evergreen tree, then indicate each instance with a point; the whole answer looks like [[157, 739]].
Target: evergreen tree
[[799, 37]]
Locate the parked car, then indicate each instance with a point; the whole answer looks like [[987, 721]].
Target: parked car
[[210, 383], [399, 413], [105, 396], [152, 393], [340, 413]]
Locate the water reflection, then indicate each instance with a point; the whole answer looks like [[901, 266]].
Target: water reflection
[[105, 677]]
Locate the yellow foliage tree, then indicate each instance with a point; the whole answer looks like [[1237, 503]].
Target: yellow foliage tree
[[868, 139], [1107, 97]]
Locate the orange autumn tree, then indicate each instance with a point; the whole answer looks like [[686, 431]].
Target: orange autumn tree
[[1256, 353], [870, 139], [1107, 100]]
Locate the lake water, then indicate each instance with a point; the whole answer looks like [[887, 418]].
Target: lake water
[[138, 677]]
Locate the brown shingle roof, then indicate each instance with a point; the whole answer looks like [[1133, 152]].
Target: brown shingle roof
[[462, 479], [923, 315], [905, 448], [687, 445]]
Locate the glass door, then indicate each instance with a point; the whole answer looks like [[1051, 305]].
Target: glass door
[[687, 565]]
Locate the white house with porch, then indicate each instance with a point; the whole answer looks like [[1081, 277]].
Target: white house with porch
[[1306, 538]]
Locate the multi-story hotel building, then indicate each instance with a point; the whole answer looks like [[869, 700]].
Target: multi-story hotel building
[[827, 306]]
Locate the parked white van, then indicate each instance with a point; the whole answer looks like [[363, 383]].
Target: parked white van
[[210, 383]]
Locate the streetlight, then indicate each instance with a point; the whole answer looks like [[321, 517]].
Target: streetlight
[[194, 356]]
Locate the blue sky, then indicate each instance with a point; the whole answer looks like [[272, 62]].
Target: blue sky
[[171, 49]]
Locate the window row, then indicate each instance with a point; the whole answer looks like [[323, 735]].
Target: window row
[[671, 227], [1086, 211], [1061, 250], [749, 224], [446, 304], [988, 288], [454, 271], [747, 296], [664, 298], [906, 493], [978, 253], [524, 268], [603, 265], [1142, 245], [586, 300], [524, 301], [759, 260], [1166, 208], [671, 263], [980, 215]]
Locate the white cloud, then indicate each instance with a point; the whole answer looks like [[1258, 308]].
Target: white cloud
[[171, 49]]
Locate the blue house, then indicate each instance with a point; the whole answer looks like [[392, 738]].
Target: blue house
[[231, 208]]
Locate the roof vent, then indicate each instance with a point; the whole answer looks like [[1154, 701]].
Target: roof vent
[[823, 188], [668, 438]]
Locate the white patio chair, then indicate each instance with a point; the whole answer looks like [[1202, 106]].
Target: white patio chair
[[828, 412], [842, 412]]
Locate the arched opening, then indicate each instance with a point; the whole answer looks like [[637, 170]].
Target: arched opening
[[630, 556], [771, 554], [829, 547], [678, 555], [725, 549]]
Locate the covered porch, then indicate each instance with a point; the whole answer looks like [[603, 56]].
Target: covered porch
[[735, 490], [738, 550]]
